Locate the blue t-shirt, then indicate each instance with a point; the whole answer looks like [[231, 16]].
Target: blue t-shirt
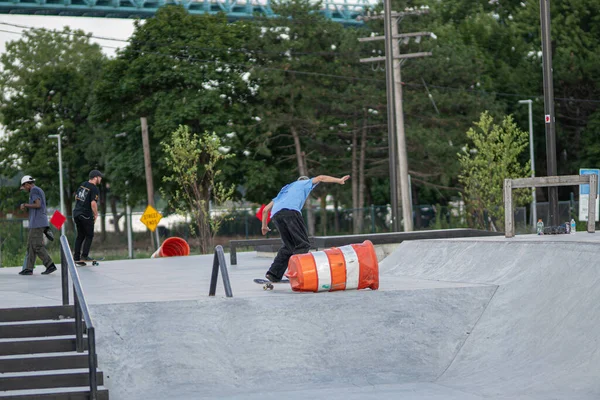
[[37, 216], [292, 196]]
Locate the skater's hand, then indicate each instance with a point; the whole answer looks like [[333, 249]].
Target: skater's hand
[[344, 179], [265, 229], [22, 206]]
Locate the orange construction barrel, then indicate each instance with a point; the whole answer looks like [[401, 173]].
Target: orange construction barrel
[[172, 247], [340, 268]]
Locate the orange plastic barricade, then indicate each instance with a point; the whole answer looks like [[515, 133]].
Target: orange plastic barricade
[[172, 247], [340, 268]]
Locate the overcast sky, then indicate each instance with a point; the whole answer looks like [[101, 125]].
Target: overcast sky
[[108, 27]]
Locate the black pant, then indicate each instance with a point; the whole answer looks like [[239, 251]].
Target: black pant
[[85, 235], [294, 235]]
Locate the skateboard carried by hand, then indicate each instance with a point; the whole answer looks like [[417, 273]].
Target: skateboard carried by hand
[[268, 285], [94, 262]]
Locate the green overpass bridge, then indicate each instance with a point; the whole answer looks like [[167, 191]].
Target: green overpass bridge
[[341, 11]]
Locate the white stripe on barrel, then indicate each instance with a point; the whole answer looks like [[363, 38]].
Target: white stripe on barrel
[[323, 271], [352, 267]]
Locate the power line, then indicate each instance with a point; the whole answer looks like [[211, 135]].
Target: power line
[[243, 50], [447, 88], [188, 58]]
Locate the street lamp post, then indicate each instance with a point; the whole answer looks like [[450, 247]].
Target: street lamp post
[[60, 179], [533, 201]]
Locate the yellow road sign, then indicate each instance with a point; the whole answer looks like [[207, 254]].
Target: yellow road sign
[[151, 218]]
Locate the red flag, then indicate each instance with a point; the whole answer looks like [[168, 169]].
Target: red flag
[[259, 214], [57, 219]]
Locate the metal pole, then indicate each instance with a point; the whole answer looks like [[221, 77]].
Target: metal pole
[[64, 276], [549, 108], [531, 155], [128, 219], [78, 323], [92, 363], [400, 135], [60, 179], [389, 81]]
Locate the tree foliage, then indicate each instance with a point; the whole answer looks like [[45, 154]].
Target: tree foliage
[[192, 162], [493, 154], [288, 94], [46, 78]]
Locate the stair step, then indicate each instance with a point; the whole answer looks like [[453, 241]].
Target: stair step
[[47, 379], [23, 329], [36, 313], [57, 344], [43, 362], [68, 393]]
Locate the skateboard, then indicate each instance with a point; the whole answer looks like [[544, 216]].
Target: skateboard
[[94, 262], [268, 285]]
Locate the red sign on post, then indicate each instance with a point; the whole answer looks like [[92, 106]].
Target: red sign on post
[[547, 119], [57, 219]]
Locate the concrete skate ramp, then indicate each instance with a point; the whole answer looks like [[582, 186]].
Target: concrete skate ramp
[[538, 338], [355, 344]]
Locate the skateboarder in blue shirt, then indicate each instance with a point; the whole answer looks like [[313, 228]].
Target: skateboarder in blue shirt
[[285, 211]]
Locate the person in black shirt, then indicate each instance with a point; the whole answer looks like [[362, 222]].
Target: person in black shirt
[[85, 214]]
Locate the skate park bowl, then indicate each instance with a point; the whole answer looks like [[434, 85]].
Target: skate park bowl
[[472, 318], [172, 247]]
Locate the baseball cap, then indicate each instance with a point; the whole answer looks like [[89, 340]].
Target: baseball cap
[[27, 179], [94, 173]]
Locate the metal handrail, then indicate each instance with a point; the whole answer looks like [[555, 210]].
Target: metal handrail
[[219, 261], [81, 310]]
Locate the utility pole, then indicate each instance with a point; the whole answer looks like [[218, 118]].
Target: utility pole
[[552, 169], [396, 134], [148, 168]]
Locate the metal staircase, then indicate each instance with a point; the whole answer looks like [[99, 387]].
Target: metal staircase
[[38, 356], [49, 353]]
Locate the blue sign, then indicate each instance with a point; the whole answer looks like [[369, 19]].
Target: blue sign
[[585, 189]]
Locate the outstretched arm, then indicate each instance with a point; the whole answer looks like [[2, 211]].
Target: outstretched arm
[[265, 218], [330, 179]]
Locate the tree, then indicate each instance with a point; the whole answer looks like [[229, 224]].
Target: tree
[[178, 69], [492, 155], [302, 100], [47, 78], [193, 165]]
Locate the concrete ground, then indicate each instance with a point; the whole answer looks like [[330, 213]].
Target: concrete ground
[[476, 318]]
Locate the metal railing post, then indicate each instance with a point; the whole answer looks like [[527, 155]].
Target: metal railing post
[[78, 325], [92, 363], [64, 276], [220, 263], [214, 276], [509, 227], [591, 225], [224, 273], [232, 253]]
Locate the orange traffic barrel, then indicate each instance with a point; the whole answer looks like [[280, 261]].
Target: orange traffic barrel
[[340, 268], [172, 247]]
